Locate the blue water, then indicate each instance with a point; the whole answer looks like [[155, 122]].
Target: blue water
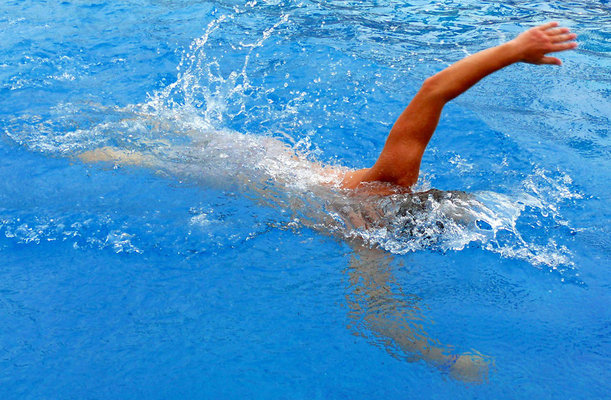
[[221, 267]]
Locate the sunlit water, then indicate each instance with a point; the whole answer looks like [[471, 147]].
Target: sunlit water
[[227, 264]]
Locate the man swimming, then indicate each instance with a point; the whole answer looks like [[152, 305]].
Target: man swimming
[[399, 162], [398, 166], [396, 170]]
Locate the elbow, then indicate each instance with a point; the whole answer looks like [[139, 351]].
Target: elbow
[[442, 89], [432, 88]]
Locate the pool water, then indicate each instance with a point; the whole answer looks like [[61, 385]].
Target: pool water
[[217, 265]]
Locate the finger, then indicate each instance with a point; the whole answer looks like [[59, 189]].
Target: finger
[[548, 25], [557, 31], [564, 46], [551, 61], [563, 38]]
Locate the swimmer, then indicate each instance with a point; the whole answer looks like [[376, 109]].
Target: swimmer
[[372, 300], [399, 161], [398, 165]]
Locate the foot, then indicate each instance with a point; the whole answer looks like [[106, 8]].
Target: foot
[[112, 154]]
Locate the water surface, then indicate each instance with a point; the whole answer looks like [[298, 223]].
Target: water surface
[[224, 268]]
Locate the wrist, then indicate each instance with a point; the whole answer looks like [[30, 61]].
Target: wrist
[[512, 52]]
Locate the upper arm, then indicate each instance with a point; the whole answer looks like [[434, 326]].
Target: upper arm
[[399, 161]]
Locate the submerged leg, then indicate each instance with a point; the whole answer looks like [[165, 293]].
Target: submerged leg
[[113, 154]]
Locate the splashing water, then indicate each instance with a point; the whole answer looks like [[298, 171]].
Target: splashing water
[[186, 131]]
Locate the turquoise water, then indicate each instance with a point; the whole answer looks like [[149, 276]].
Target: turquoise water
[[222, 267]]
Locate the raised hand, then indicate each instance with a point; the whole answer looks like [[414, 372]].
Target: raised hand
[[535, 43], [399, 162]]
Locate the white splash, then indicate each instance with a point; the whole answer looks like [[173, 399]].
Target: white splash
[[179, 131]]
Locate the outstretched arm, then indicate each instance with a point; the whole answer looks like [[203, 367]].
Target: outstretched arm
[[377, 305], [399, 162]]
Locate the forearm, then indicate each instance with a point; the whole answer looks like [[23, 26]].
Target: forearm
[[531, 46], [459, 77], [399, 162]]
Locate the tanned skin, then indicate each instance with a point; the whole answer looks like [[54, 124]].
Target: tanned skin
[[399, 162]]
